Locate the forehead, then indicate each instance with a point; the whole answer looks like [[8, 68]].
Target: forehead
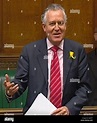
[[55, 14]]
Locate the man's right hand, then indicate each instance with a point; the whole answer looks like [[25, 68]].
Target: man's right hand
[[11, 88]]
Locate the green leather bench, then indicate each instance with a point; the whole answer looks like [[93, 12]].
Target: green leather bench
[[17, 103]]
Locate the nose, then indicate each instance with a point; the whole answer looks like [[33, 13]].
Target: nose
[[56, 26]]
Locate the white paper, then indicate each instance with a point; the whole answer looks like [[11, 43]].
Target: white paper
[[41, 106]]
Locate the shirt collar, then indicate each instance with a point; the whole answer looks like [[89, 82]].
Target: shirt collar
[[49, 44]]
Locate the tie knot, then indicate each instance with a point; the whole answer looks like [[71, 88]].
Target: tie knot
[[54, 48]]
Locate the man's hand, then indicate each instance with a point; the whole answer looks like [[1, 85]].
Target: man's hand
[[11, 88], [61, 111]]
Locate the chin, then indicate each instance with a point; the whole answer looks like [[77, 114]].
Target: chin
[[56, 42]]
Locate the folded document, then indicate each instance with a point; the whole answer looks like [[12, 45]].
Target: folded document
[[41, 106]]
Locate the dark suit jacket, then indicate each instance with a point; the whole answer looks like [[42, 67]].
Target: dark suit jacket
[[92, 60], [32, 71]]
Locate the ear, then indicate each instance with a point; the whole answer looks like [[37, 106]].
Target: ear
[[43, 26]]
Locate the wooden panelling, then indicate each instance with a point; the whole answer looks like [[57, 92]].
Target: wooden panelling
[[89, 110], [1, 44], [11, 111], [80, 20], [95, 6], [20, 23], [8, 63]]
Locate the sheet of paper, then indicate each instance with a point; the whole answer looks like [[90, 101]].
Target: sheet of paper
[[41, 106]]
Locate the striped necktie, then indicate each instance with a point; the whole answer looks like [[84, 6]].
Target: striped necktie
[[55, 79]]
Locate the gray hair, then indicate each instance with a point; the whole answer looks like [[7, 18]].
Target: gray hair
[[53, 7]]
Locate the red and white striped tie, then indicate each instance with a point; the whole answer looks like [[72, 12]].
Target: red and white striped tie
[[55, 79]]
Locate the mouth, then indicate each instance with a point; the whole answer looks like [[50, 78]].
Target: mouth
[[57, 35]]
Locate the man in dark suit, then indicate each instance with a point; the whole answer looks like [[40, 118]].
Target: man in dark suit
[[92, 61], [33, 69]]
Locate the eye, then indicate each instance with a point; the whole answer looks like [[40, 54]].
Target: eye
[[60, 23], [52, 23]]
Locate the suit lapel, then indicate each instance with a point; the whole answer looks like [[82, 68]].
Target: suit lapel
[[67, 61], [43, 59]]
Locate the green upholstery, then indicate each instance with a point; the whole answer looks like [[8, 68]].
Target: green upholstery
[[17, 103]]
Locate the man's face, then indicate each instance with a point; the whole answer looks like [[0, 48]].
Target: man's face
[[55, 26]]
